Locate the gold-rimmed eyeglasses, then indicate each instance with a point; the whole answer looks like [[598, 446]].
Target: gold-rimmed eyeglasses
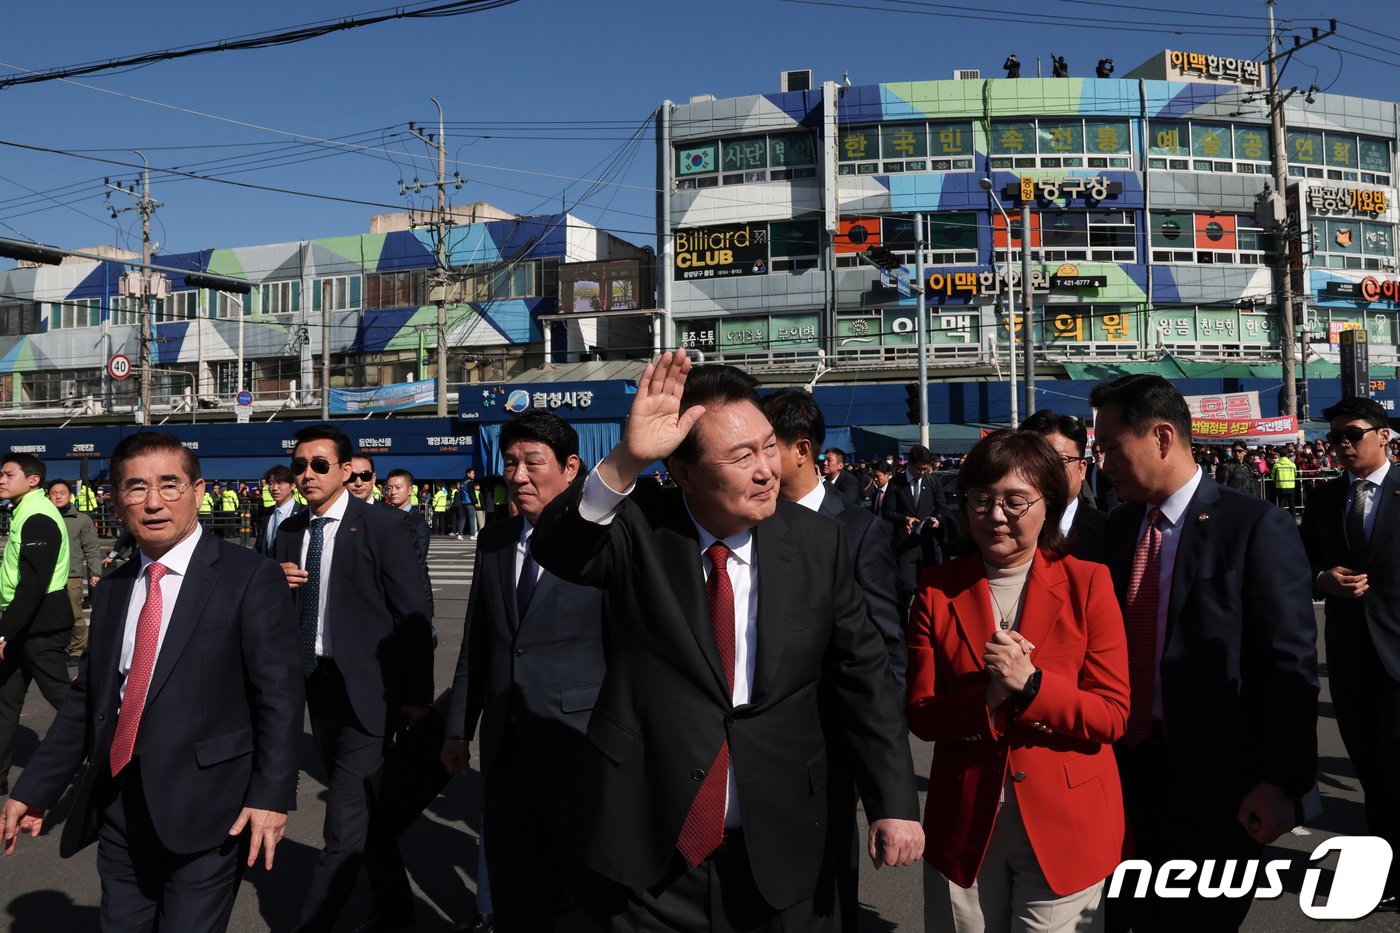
[[168, 492]]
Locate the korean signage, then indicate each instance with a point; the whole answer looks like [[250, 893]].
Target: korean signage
[[1200, 66], [384, 398], [1251, 431], [716, 252], [620, 285], [1374, 289], [1228, 405], [1051, 190], [1356, 200], [698, 334], [1356, 365], [947, 328], [1090, 325], [1335, 330], [749, 335], [591, 401], [1212, 325], [966, 284]]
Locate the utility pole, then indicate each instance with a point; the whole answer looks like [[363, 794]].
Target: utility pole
[[441, 277], [1283, 233], [1027, 325], [145, 285], [922, 330]]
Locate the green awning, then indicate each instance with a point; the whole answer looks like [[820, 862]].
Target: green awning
[[1167, 367], [1226, 370]]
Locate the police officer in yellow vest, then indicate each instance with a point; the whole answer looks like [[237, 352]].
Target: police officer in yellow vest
[[86, 499], [1285, 477], [36, 620], [440, 510], [206, 505]]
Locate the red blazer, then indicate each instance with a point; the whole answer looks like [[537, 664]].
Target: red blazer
[[1058, 750]]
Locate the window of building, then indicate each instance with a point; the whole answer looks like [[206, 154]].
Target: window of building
[[886, 149], [280, 297], [19, 317], [124, 310], [794, 246], [1204, 146], [769, 157], [952, 239], [180, 306], [1352, 244], [229, 305], [396, 289], [336, 293], [515, 281], [1064, 142], [1105, 236], [1221, 239], [1338, 156], [78, 312]]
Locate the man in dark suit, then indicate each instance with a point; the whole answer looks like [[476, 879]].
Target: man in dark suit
[[917, 509], [734, 614], [1349, 530], [529, 670], [284, 506], [365, 647], [398, 494], [1221, 742], [1082, 524], [187, 706], [834, 475], [1100, 485], [800, 428]]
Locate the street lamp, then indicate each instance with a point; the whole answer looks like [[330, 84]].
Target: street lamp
[[986, 184]]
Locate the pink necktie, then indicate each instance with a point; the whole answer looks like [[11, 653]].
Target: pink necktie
[[1140, 624], [703, 829], [138, 679]]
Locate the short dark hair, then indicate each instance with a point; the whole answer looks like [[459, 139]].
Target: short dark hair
[[838, 452], [544, 427], [152, 442], [795, 416], [361, 455], [713, 385], [882, 466], [60, 481], [1141, 400], [1047, 421], [1029, 454], [400, 471], [278, 473], [920, 454], [28, 464], [344, 450], [1358, 409]]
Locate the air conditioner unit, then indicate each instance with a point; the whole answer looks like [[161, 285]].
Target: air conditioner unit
[[800, 80], [967, 74]]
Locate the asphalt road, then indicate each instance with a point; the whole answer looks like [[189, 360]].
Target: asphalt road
[[41, 893]]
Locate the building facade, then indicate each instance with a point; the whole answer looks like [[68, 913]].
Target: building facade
[[1150, 242]]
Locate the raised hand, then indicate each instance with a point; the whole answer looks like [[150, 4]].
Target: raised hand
[[655, 426]]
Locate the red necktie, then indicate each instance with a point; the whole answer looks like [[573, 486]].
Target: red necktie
[[1140, 623], [703, 829], [138, 678]]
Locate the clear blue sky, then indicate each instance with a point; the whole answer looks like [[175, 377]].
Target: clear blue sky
[[587, 74]]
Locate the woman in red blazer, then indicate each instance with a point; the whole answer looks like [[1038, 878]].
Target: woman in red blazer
[[1018, 671]]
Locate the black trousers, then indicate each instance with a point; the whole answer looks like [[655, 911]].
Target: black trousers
[[42, 658], [1367, 702], [1164, 827], [716, 896], [145, 887], [349, 754]]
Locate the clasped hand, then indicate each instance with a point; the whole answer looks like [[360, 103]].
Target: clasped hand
[[1007, 658]]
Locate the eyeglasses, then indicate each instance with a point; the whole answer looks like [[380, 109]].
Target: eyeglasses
[[1351, 434], [169, 492], [1014, 506], [1068, 460], [320, 464], [364, 476]]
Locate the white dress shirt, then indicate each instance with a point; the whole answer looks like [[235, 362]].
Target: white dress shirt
[[1067, 519], [176, 562], [1173, 511], [813, 500], [599, 505], [1375, 479], [336, 512]]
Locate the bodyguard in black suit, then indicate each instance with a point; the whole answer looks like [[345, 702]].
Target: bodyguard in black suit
[[365, 647], [187, 707], [800, 428], [280, 484], [1100, 484], [529, 671], [1082, 524], [705, 778], [1221, 743], [1349, 529], [835, 477], [923, 526]]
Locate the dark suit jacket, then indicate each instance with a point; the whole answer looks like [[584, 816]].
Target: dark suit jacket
[[665, 706], [868, 543], [1105, 493], [1087, 540], [846, 485], [422, 539], [1324, 536], [1239, 670], [260, 543], [222, 725], [538, 676], [378, 615], [928, 546]]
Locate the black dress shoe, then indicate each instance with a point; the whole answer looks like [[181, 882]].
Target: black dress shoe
[[1388, 904], [481, 923], [387, 921], [5, 787]]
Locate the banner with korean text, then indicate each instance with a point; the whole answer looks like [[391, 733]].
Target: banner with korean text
[[1252, 431], [385, 398]]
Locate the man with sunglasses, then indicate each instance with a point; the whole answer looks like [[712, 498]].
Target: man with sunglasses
[[365, 645], [1349, 531], [1082, 523]]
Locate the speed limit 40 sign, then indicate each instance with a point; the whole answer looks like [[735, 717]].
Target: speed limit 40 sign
[[119, 366]]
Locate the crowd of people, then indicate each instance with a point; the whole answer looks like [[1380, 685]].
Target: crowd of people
[[682, 689]]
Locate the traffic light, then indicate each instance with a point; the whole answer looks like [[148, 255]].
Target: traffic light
[[881, 258], [913, 390]]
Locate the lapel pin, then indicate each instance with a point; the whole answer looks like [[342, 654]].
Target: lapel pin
[[1202, 518]]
